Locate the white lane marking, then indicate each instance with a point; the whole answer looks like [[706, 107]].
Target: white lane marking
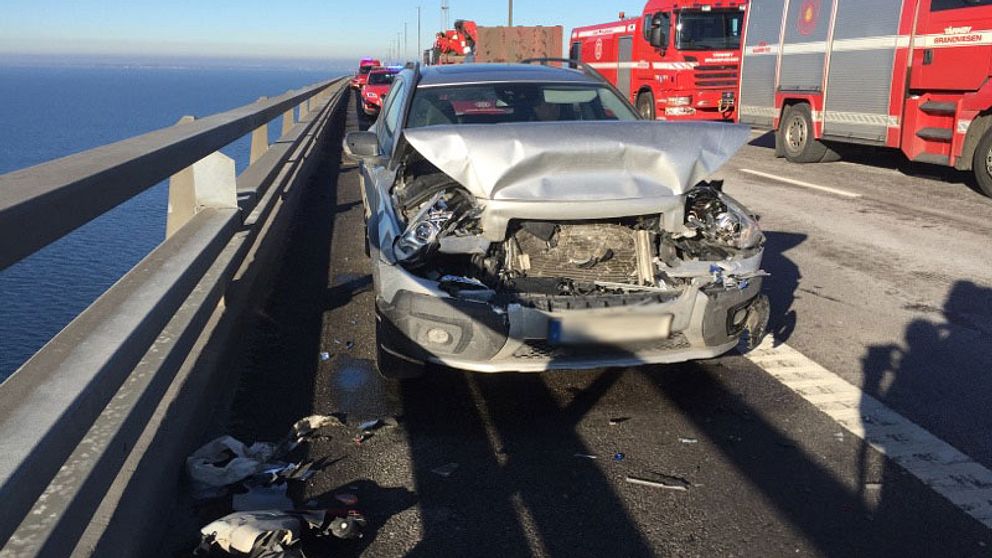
[[947, 471], [795, 182]]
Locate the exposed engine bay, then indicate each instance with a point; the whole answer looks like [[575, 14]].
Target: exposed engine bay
[[704, 243]]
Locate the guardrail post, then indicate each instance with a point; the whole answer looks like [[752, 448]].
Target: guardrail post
[[288, 119], [209, 182], [259, 140]]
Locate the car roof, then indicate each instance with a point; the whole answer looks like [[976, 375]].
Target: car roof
[[475, 73]]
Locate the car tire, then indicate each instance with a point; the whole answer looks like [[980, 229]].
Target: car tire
[[981, 164], [797, 138], [392, 366], [645, 105]]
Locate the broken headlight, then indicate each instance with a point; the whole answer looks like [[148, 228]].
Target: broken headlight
[[720, 219], [444, 213]]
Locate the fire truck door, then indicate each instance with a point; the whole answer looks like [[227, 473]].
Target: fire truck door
[[625, 49], [951, 50], [862, 61]]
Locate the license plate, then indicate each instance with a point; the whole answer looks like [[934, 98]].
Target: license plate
[[571, 330]]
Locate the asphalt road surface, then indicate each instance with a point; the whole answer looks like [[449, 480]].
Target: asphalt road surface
[[881, 280]]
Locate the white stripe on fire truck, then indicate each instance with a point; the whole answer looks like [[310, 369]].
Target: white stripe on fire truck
[[881, 42], [944, 40], [751, 110], [600, 32], [674, 65], [886, 42], [837, 117], [869, 118], [963, 126], [804, 48], [643, 65]]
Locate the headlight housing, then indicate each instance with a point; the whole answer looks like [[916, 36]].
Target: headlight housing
[[721, 220]]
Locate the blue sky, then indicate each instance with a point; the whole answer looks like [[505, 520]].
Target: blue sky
[[258, 29]]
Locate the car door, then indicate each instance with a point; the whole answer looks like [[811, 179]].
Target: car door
[[379, 174]]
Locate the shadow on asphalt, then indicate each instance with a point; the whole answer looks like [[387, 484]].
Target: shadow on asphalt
[[784, 281], [940, 376], [834, 516], [285, 334], [886, 158], [526, 485]]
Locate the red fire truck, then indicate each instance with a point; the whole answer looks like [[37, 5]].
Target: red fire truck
[[678, 61], [364, 67], [909, 74]]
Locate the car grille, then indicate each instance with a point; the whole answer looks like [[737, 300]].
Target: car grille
[[716, 76]]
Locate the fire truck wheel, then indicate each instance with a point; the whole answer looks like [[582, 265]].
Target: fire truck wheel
[[796, 136], [982, 164], [645, 105]]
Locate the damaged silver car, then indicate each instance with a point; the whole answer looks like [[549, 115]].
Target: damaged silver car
[[522, 218]]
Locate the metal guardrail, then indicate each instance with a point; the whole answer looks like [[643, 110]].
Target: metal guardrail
[[86, 415]]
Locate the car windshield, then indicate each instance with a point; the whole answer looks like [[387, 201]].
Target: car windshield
[[381, 78], [715, 30], [495, 103], [365, 69]]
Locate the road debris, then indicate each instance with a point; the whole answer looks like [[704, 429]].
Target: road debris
[[618, 456], [346, 499], [276, 533], [325, 356], [445, 470], [667, 482], [225, 460], [377, 423], [688, 440], [261, 498], [618, 420], [587, 455]]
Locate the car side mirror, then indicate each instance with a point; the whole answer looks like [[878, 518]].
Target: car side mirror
[[361, 145]]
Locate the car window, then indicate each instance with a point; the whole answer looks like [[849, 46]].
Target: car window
[[381, 78], [391, 116], [515, 102]]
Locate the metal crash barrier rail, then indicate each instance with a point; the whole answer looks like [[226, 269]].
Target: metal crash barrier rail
[[94, 427]]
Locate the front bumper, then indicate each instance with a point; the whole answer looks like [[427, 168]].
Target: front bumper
[[370, 109], [704, 105], [493, 337]]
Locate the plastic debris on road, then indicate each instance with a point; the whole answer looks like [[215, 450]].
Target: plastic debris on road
[[225, 460], [445, 470], [689, 440], [667, 482], [274, 533], [618, 456], [587, 455], [325, 356], [618, 420]]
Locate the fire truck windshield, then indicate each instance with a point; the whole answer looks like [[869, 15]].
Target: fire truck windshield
[[365, 69], [711, 30]]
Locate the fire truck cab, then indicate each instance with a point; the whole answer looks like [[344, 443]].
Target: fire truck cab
[[678, 61], [914, 75]]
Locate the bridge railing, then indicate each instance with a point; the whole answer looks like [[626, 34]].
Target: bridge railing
[[94, 426]]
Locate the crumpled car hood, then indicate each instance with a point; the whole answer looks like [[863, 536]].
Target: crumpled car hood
[[578, 161]]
